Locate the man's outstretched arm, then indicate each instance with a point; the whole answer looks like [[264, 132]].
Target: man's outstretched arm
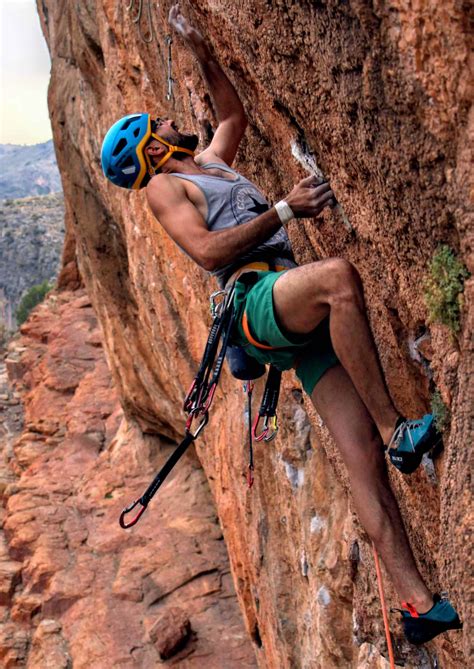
[[229, 109], [215, 249]]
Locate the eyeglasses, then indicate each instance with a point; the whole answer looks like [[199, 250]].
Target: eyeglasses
[[156, 123]]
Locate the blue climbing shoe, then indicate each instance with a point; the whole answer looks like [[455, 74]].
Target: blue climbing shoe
[[410, 440], [422, 627]]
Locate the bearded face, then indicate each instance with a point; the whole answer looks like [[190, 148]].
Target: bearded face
[[187, 140], [169, 131]]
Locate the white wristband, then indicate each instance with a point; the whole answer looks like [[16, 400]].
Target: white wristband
[[284, 211]]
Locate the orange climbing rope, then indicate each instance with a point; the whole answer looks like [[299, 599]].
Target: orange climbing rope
[[384, 609]]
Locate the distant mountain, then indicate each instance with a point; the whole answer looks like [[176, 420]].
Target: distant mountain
[[28, 170], [31, 241]]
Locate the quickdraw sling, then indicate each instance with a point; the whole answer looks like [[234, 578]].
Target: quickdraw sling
[[201, 393]]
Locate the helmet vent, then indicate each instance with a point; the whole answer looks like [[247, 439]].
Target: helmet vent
[[128, 162], [121, 144], [128, 122]]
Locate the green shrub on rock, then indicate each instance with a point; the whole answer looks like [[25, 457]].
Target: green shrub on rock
[[443, 288], [31, 298], [440, 411]]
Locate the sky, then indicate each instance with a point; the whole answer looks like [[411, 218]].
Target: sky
[[24, 75]]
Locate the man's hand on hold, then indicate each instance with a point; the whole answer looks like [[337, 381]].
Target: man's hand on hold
[[309, 197], [191, 36]]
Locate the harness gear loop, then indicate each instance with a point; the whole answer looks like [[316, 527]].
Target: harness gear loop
[[388, 637], [137, 19]]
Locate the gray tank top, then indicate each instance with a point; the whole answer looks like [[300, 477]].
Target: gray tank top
[[234, 202]]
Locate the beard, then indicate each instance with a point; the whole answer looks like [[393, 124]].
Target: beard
[[187, 141]]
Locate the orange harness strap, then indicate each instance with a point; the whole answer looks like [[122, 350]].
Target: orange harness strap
[[252, 340], [263, 267]]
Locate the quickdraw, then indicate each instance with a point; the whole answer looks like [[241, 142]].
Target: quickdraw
[[201, 394], [137, 19], [268, 408], [160, 477], [199, 397], [169, 94], [148, 37]]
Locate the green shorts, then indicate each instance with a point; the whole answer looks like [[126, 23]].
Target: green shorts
[[311, 355]]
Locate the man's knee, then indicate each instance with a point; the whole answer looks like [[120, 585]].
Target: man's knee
[[344, 281]]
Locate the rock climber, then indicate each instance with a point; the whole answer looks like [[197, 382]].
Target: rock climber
[[224, 223]]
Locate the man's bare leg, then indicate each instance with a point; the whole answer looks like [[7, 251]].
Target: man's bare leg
[[347, 419], [304, 296]]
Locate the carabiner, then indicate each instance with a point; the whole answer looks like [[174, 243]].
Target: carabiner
[[200, 427], [129, 508], [188, 400], [263, 433], [270, 428], [269, 436], [209, 398], [216, 309]]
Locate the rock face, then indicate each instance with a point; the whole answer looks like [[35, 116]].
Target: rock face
[[376, 96], [75, 589]]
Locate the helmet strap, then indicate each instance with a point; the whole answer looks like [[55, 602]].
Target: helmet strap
[[171, 149]]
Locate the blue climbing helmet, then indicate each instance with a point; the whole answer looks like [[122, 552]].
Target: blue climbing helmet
[[124, 161]]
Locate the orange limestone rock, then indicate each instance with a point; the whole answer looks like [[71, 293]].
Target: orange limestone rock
[[75, 589]]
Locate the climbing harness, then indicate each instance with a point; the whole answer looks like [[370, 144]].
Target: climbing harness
[[388, 636], [201, 393], [137, 19]]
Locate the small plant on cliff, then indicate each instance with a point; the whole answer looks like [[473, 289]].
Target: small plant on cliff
[[440, 411], [30, 299], [443, 288]]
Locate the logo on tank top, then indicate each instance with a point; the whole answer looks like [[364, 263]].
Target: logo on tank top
[[247, 203]]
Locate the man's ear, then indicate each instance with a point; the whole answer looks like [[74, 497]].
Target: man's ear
[[154, 150]]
